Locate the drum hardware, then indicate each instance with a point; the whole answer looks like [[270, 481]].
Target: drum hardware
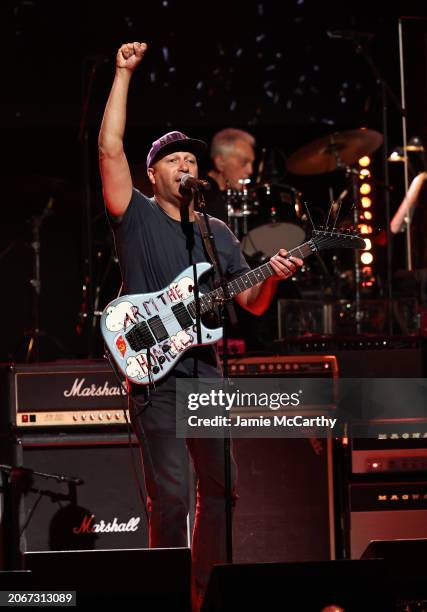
[[335, 207], [336, 151], [240, 204], [339, 151], [279, 221], [397, 155]]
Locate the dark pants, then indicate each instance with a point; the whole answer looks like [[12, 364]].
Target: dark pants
[[166, 469]]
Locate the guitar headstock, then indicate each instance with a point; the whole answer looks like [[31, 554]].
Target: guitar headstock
[[337, 239]]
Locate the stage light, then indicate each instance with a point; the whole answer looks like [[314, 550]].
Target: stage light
[[364, 161], [366, 258], [368, 279]]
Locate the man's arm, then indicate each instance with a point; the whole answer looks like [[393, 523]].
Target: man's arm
[[408, 203], [258, 298], [114, 167]]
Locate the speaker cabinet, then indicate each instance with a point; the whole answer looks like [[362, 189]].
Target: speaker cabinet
[[386, 511], [406, 564], [285, 510], [298, 586], [149, 579], [104, 511]]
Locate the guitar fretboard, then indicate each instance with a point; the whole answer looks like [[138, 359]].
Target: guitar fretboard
[[209, 300]]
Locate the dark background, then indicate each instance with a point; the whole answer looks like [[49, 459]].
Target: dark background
[[268, 67]]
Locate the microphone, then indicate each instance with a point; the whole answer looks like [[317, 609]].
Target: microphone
[[191, 182], [349, 34]]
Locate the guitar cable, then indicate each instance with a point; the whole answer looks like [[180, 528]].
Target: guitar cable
[[124, 385]]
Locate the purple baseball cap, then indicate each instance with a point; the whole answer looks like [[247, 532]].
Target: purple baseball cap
[[175, 141]]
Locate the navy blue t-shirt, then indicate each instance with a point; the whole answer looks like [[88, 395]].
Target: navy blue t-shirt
[[153, 249]]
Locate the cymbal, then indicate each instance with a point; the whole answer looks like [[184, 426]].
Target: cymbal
[[335, 151]]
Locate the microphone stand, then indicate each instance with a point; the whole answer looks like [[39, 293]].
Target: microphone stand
[[405, 153], [35, 333], [224, 307], [90, 67], [16, 481], [385, 93]]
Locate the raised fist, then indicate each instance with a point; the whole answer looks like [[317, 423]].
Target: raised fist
[[130, 55]]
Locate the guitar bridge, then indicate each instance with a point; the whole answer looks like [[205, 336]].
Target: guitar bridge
[[140, 337]]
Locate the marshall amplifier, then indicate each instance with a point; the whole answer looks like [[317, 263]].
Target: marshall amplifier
[[79, 492], [61, 394]]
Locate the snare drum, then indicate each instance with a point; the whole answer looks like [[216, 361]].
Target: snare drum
[[279, 222]]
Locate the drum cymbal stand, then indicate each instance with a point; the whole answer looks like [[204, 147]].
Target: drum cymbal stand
[[352, 175]]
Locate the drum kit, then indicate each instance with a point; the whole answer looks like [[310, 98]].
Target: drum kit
[[265, 217], [271, 215]]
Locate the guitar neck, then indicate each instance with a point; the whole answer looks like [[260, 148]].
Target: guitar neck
[[209, 300]]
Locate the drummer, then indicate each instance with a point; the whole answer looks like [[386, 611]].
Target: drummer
[[232, 156]]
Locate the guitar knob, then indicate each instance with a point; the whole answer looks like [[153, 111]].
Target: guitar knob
[[156, 370], [161, 359], [166, 348]]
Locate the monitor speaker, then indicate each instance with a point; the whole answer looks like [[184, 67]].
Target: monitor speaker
[[148, 578], [299, 586], [406, 565]]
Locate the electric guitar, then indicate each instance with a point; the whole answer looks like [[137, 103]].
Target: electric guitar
[[146, 334]]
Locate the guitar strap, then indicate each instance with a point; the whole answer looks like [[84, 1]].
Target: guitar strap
[[208, 242]]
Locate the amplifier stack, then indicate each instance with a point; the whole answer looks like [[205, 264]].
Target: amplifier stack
[[71, 417], [70, 469], [387, 489]]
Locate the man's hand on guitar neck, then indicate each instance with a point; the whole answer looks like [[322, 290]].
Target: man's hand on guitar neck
[[258, 298], [284, 266]]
